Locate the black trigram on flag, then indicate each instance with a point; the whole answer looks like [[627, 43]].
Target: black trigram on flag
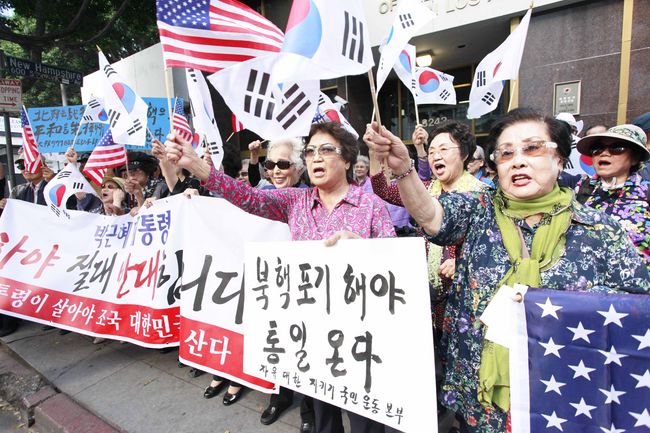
[[88, 118], [214, 148], [55, 209], [259, 102], [353, 45], [406, 20], [108, 70], [63, 175], [296, 104], [413, 85], [94, 103], [192, 73], [444, 94], [488, 98], [113, 117], [135, 128], [480, 78], [77, 185]]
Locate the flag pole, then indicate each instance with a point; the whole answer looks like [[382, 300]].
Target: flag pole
[[417, 113], [513, 90], [168, 91], [373, 93], [230, 136], [74, 140]]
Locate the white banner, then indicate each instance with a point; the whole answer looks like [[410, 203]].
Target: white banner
[[349, 325]]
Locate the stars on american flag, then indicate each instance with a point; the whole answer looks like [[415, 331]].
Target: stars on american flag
[[183, 13], [591, 352]]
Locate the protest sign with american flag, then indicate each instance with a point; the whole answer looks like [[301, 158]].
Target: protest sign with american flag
[[581, 363], [107, 154], [32, 156], [213, 34]]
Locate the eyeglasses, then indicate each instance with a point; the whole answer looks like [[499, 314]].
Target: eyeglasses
[[612, 149], [443, 151], [506, 152], [282, 164], [20, 165], [325, 150], [243, 173]]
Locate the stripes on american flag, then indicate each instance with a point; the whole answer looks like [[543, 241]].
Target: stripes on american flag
[[32, 156], [105, 155], [211, 35], [236, 124], [181, 126]]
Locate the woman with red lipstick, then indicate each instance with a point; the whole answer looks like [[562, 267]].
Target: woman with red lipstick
[[617, 188], [529, 231]]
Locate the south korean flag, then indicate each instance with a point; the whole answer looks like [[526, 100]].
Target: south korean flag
[[94, 112], [270, 109]]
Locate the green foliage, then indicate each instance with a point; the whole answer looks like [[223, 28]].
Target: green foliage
[[37, 31]]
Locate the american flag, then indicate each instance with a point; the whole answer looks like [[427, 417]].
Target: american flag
[[105, 155], [236, 124], [32, 156], [181, 126], [587, 367], [213, 34]]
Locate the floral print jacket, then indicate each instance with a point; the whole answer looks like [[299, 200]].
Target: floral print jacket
[[598, 257], [628, 205]]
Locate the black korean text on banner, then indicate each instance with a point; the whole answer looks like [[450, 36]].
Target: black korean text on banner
[[341, 323]]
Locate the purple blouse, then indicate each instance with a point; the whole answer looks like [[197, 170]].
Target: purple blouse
[[303, 210]]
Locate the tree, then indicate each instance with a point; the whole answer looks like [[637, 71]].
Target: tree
[[65, 33]]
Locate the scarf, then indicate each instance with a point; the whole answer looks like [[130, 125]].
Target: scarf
[[466, 183], [548, 245]]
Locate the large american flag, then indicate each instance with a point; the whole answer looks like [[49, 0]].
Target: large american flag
[[105, 155], [582, 364], [213, 34], [31, 154], [180, 123]]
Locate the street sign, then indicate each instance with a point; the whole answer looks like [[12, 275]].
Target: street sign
[[27, 68], [11, 93]]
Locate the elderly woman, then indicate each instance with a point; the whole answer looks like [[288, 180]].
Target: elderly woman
[[114, 197], [617, 188], [451, 145], [361, 169], [528, 231], [334, 208]]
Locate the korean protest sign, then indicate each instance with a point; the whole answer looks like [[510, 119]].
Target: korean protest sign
[[170, 275], [212, 293], [349, 325], [55, 127]]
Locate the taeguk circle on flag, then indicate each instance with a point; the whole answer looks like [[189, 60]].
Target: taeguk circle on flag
[[428, 81], [126, 95], [304, 29], [56, 194], [405, 61]]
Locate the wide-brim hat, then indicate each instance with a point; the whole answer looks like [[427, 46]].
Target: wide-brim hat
[[630, 134], [116, 180]]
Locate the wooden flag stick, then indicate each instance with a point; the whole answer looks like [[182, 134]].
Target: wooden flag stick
[[230, 136], [417, 113], [168, 91], [74, 140], [373, 94], [513, 90]]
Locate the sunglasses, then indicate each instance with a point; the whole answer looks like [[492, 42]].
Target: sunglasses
[[507, 152], [612, 149], [326, 150], [282, 164], [20, 165]]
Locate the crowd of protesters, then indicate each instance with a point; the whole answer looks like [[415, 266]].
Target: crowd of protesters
[[504, 213]]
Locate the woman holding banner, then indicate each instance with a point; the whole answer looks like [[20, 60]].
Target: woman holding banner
[[529, 231], [334, 208]]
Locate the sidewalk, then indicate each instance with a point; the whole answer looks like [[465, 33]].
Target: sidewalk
[[129, 388]]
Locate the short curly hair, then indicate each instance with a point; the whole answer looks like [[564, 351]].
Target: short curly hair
[[349, 145], [559, 131], [295, 144], [461, 134]]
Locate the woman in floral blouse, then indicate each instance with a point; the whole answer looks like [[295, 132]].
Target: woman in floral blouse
[[617, 188], [334, 208], [528, 231]]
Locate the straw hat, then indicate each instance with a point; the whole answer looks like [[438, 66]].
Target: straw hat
[[631, 134]]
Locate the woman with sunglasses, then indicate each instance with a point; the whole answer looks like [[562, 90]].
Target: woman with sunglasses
[[617, 188], [529, 231], [334, 208]]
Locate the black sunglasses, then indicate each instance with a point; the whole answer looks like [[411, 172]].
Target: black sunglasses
[[20, 165], [282, 164], [613, 149]]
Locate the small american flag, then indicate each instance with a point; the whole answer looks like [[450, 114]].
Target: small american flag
[[582, 363], [213, 34], [105, 155], [33, 159], [236, 124], [181, 126]]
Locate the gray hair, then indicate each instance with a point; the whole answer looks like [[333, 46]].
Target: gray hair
[[295, 144], [479, 154], [364, 159]]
